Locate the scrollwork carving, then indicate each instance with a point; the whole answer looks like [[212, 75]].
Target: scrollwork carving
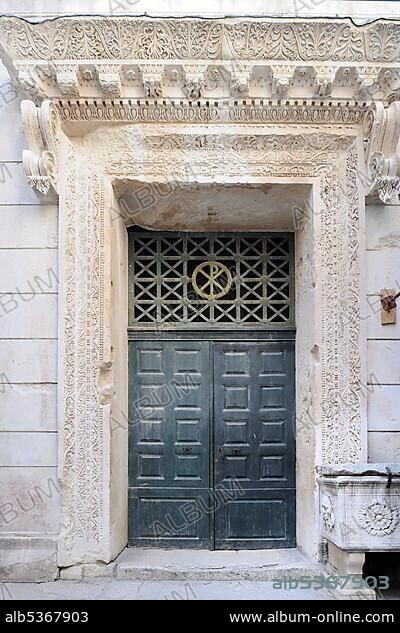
[[145, 38], [85, 401], [42, 129], [382, 131]]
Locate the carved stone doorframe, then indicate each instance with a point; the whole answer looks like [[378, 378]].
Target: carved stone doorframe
[[330, 416], [82, 151]]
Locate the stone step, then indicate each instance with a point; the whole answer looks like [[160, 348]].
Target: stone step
[[151, 564]]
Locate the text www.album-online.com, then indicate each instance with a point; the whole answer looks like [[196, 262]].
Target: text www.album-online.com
[[336, 617]]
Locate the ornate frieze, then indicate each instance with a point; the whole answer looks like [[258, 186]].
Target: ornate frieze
[[225, 80], [113, 38], [84, 357]]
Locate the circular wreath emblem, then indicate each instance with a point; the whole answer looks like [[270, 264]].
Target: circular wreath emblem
[[211, 280], [378, 518]]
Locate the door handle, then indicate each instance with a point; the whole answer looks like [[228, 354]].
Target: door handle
[[236, 451], [187, 449]]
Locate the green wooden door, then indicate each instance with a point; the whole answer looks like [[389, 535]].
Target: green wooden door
[[211, 457], [169, 444], [254, 443]]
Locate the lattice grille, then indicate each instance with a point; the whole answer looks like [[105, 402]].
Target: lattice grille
[[251, 275]]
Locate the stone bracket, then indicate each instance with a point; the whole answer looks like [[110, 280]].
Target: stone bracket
[[382, 152], [42, 128]]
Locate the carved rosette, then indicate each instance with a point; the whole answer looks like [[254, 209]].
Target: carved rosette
[[42, 130], [378, 517]]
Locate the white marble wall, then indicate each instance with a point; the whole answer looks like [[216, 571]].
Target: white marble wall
[[383, 345], [28, 342], [359, 10]]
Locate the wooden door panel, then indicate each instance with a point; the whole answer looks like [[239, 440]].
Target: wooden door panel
[[254, 442], [169, 440]]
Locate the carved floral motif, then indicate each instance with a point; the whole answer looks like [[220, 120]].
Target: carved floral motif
[[121, 38], [84, 418], [378, 517]]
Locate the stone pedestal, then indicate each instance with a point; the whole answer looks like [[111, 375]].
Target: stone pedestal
[[359, 513]]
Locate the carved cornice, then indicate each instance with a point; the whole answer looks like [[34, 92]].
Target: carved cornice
[[147, 38], [128, 57]]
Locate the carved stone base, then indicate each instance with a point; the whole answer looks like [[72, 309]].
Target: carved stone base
[[359, 512], [344, 563], [341, 563], [359, 506]]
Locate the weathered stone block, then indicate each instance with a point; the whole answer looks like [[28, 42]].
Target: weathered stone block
[[28, 407], [28, 558], [28, 449]]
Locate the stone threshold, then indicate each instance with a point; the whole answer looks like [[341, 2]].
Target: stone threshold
[[177, 564], [145, 564], [158, 565]]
